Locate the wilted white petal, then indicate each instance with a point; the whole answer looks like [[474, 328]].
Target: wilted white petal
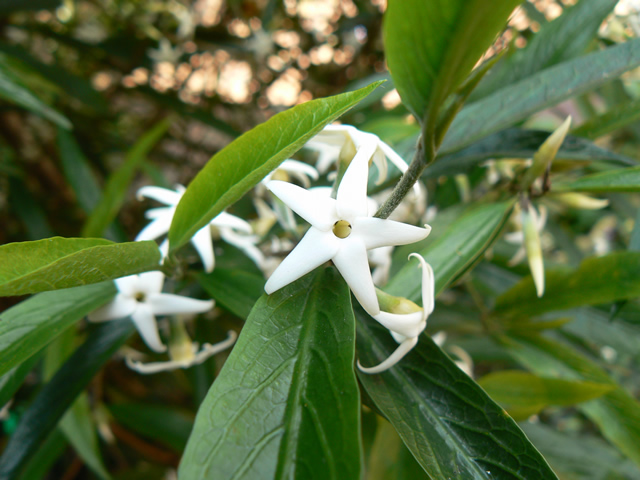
[[203, 244], [121, 306], [318, 211], [145, 323], [352, 191], [315, 248], [404, 348], [352, 263], [376, 232], [162, 195], [170, 304], [225, 219]]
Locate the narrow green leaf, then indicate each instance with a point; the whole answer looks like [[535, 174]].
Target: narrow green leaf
[[620, 180], [55, 263], [14, 91], [116, 187], [447, 38], [544, 89], [236, 290], [562, 39], [523, 394], [286, 403], [582, 456], [173, 430], [615, 118], [42, 461], [448, 422], [239, 166], [10, 381], [34, 323], [597, 280], [454, 251], [617, 413], [56, 396]]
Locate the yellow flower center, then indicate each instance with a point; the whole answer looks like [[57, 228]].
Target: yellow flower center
[[140, 297], [342, 229]]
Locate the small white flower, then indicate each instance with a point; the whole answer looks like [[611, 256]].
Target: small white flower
[[405, 328], [141, 297], [341, 230], [202, 241], [298, 170]]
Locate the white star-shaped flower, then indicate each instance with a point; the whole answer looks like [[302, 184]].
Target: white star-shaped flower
[[342, 230], [161, 221], [406, 327], [141, 297]]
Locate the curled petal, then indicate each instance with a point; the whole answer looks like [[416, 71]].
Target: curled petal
[[121, 306], [377, 232], [399, 353], [353, 264], [171, 304], [315, 209], [428, 285], [315, 248], [145, 323], [162, 195], [203, 244], [408, 325], [300, 170]]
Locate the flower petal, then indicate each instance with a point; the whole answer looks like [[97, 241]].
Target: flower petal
[[315, 209], [351, 199], [428, 285], [171, 304], [162, 195], [409, 324], [378, 232], [315, 248], [203, 244], [155, 229], [145, 323], [225, 219], [151, 282], [121, 306], [399, 353], [353, 264], [129, 285]]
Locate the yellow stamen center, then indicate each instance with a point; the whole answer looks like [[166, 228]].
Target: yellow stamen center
[[342, 229], [140, 297]]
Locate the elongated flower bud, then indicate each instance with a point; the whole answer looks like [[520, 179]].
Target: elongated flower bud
[[579, 200], [533, 246]]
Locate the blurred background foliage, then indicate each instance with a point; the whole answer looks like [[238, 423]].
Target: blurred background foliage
[[84, 87]]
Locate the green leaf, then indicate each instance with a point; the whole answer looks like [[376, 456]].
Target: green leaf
[[597, 280], [446, 39], [239, 166], [544, 89], [42, 461], [619, 180], [580, 456], [173, 430], [523, 394], [34, 323], [448, 422], [236, 290], [11, 381], [562, 39], [286, 403], [616, 118], [454, 251], [119, 181], [617, 413], [55, 263], [14, 91], [56, 396]]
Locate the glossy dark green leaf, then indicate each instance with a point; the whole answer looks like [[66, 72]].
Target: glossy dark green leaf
[[615, 118], [173, 430], [34, 323], [448, 422], [597, 280], [56, 396], [239, 166], [55, 263], [236, 290], [446, 41], [617, 413], [14, 91], [523, 394], [286, 403], [454, 251], [582, 456], [562, 39], [115, 189], [621, 180], [546, 88]]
